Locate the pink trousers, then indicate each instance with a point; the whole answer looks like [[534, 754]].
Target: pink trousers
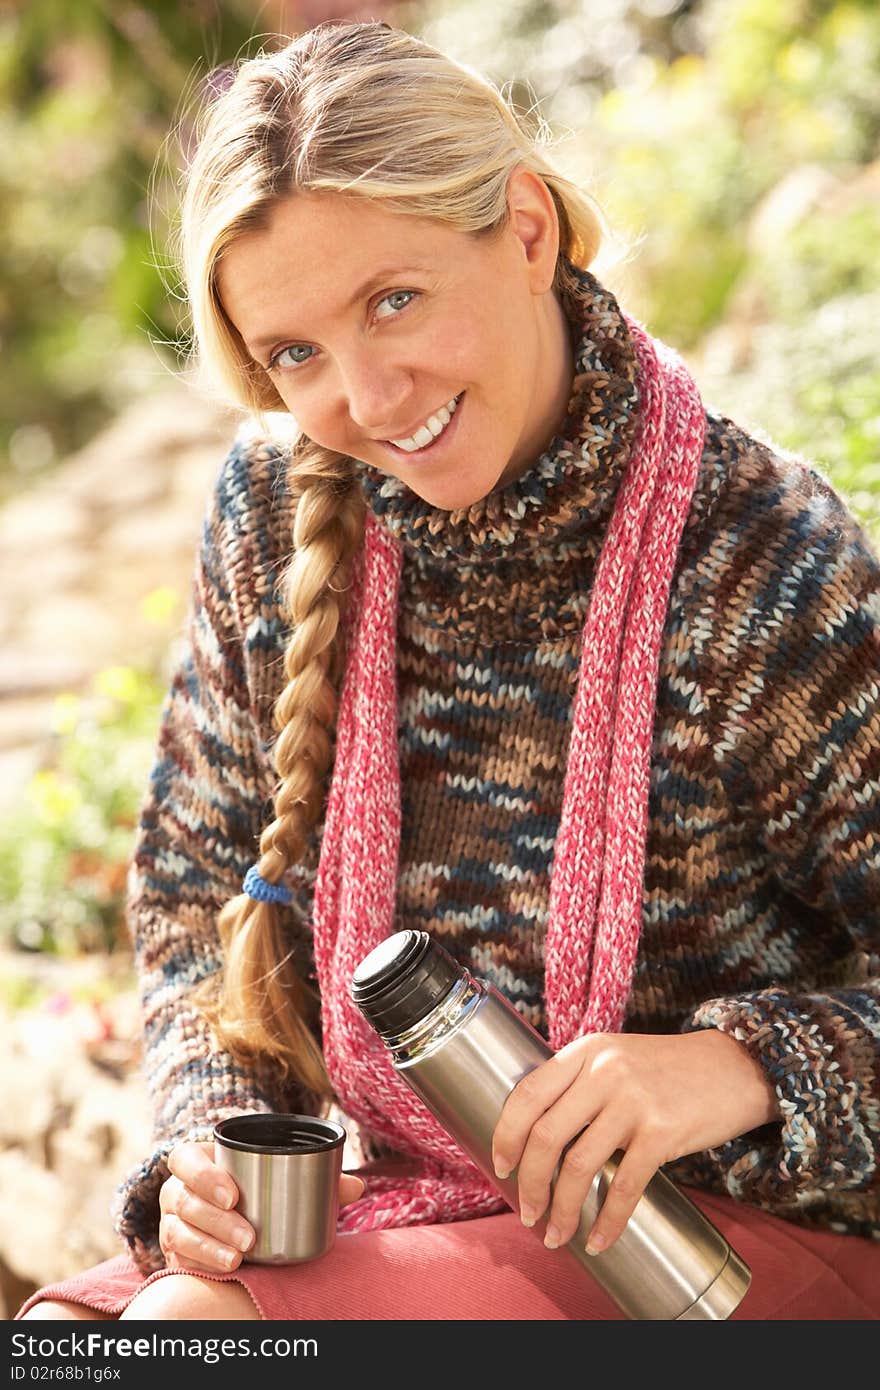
[[493, 1269]]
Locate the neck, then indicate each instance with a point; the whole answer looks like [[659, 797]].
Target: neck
[[554, 369]]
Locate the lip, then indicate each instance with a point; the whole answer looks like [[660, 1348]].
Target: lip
[[430, 450]]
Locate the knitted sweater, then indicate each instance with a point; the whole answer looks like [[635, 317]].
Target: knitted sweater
[[761, 896]]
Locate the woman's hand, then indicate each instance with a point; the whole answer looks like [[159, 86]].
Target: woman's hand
[[198, 1228], [656, 1097]]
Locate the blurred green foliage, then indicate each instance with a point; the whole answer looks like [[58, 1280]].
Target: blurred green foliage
[[90, 91], [64, 851]]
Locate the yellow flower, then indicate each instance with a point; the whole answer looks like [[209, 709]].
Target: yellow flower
[[54, 799], [116, 683], [799, 63], [65, 713], [160, 605]]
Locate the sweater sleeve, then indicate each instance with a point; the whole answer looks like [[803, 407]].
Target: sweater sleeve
[[800, 741], [198, 833]]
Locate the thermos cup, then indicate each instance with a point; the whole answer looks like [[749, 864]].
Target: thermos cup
[[461, 1047], [287, 1169]]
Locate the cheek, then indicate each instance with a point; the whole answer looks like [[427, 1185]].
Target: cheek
[[461, 350], [310, 414], [492, 357]]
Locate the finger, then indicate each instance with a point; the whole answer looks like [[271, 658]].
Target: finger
[[176, 1262], [190, 1246], [546, 1147], [169, 1194], [194, 1164], [636, 1169], [580, 1164], [229, 1227], [531, 1096], [351, 1188]]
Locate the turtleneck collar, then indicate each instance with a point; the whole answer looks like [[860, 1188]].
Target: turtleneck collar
[[568, 492]]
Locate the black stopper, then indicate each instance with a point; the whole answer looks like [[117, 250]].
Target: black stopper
[[402, 980]]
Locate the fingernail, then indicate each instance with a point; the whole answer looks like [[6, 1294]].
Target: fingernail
[[243, 1238], [229, 1257], [503, 1168], [363, 1188], [528, 1216], [222, 1198], [551, 1239], [596, 1244]]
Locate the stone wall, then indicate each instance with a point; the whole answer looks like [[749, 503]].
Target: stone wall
[[74, 1121], [81, 549]]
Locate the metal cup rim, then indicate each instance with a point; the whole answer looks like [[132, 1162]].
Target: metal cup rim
[[327, 1134]]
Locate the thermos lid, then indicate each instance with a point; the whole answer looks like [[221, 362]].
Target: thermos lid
[[402, 980]]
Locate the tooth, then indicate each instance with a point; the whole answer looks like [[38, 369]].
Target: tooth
[[433, 427]]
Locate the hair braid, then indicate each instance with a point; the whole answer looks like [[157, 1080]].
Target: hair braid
[[327, 529]]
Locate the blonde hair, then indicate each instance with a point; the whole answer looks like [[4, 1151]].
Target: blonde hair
[[361, 109]]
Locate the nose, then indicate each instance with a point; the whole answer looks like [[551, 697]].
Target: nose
[[375, 391]]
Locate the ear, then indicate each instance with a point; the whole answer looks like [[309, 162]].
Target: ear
[[535, 224]]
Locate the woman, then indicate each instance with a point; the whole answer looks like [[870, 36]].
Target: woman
[[564, 669]]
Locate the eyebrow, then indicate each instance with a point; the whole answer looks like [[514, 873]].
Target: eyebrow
[[384, 275]]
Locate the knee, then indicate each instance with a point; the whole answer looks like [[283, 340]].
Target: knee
[[50, 1310], [186, 1296]]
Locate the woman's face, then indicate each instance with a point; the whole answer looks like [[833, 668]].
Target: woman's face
[[370, 323]]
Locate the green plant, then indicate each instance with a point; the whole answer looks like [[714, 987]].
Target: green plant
[[64, 851], [93, 98], [813, 387]]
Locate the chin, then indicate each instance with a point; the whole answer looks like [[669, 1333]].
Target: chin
[[447, 503], [452, 498]]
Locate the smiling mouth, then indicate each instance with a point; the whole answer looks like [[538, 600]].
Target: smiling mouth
[[435, 439]]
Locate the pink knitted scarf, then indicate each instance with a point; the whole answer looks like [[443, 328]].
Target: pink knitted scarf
[[596, 885]]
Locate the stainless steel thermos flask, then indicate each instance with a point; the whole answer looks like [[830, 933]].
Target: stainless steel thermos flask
[[462, 1048]]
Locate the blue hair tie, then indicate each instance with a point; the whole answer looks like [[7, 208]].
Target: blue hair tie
[[263, 892]]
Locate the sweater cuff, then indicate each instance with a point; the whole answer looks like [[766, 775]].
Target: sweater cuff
[[136, 1203], [795, 1160]]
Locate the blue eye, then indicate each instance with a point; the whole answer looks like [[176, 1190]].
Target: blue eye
[[295, 364], [298, 347], [397, 295]]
